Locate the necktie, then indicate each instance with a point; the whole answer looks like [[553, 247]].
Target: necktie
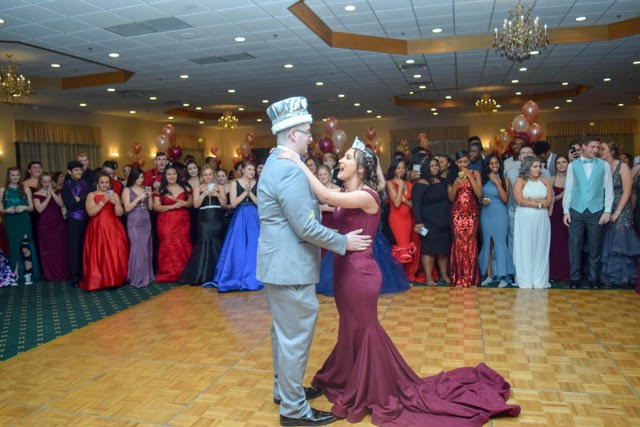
[[544, 164]]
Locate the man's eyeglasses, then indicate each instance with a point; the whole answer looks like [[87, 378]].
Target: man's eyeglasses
[[305, 132]]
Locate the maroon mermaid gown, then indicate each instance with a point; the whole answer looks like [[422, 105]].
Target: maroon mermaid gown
[[365, 373]]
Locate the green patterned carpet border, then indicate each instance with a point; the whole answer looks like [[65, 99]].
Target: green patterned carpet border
[[33, 315], [554, 285]]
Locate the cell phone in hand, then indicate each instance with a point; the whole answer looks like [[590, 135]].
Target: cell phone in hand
[[210, 187], [416, 168], [424, 231]]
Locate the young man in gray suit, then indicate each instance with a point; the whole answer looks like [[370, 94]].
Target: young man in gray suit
[[289, 261]]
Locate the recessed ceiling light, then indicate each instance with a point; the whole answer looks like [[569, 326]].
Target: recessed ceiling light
[[534, 52], [186, 104], [82, 104], [565, 83], [111, 89], [411, 93], [258, 120], [153, 98], [410, 61], [568, 100], [435, 113], [324, 119], [356, 104], [498, 106], [2, 21], [417, 76], [447, 97], [518, 93], [341, 95], [170, 118], [265, 101], [436, 30], [556, 107], [378, 116], [55, 65], [198, 108], [422, 87], [319, 83], [581, 18], [592, 123], [114, 55], [184, 76], [349, 8], [433, 109], [240, 108], [200, 122], [606, 79], [369, 111], [288, 65], [522, 69], [495, 110], [231, 90], [240, 39], [636, 62], [621, 105], [515, 81], [132, 111]]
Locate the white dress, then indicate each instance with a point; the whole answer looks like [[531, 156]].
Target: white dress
[[531, 240]]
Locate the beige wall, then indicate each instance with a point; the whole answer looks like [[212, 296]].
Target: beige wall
[[118, 133]]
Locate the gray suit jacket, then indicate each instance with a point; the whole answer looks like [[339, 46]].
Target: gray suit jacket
[[291, 234]]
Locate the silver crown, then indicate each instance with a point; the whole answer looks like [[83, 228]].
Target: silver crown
[[287, 113], [359, 145]]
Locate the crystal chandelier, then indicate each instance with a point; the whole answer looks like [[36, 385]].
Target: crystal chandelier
[[486, 104], [228, 120], [14, 87], [520, 35]]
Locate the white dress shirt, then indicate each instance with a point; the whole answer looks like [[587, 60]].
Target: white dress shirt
[[588, 168]]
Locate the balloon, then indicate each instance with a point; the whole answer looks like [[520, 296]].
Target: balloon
[[504, 138], [245, 148], [511, 130], [250, 157], [535, 132], [175, 152], [213, 150], [131, 156], [376, 143], [530, 111], [331, 125], [325, 144], [162, 142], [140, 161], [520, 123], [339, 138], [239, 151], [371, 133], [136, 147], [250, 139], [168, 130]]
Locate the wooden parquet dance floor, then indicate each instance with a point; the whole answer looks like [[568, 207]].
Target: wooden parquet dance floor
[[192, 357]]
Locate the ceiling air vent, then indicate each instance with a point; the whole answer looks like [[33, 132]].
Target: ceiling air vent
[[147, 27], [219, 59]]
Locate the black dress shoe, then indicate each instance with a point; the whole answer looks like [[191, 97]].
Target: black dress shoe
[[594, 284], [574, 284], [309, 392], [315, 418]]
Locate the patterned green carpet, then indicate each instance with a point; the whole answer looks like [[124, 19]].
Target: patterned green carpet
[[33, 315]]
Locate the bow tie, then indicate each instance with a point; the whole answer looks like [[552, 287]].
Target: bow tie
[[588, 162]]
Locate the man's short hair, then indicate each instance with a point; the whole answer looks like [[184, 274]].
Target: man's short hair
[[418, 149], [541, 147], [588, 138], [81, 155], [160, 153], [73, 164], [333, 156], [476, 144], [109, 164], [474, 138]]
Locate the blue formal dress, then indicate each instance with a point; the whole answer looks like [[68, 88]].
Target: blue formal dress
[[494, 222], [236, 269]]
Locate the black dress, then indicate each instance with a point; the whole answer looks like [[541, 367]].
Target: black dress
[[202, 264], [431, 207]]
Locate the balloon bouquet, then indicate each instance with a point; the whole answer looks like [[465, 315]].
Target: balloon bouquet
[[374, 143], [134, 157], [244, 151], [335, 139], [168, 136], [524, 124]]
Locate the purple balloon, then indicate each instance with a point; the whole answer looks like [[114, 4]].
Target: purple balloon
[[325, 144]]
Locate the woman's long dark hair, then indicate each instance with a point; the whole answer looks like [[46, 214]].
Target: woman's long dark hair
[[425, 170], [134, 174], [27, 174], [485, 171], [369, 162], [391, 172], [164, 184]]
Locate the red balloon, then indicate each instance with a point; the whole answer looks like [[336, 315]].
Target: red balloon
[[250, 157], [325, 144], [168, 130], [239, 151], [250, 139], [535, 132], [175, 152], [136, 147], [331, 125], [140, 161], [530, 111], [371, 133], [213, 150]]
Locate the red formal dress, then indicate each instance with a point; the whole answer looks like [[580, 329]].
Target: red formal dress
[[464, 230], [175, 248], [106, 250], [407, 247], [365, 373]]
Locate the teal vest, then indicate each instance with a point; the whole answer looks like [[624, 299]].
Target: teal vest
[[588, 193]]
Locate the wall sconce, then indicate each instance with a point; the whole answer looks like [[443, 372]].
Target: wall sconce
[[1, 152], [115, 154]]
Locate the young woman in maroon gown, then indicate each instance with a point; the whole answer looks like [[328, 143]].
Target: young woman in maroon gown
[[106, 247], [365, 373], [464, 193], [52, 231], [172, 202]]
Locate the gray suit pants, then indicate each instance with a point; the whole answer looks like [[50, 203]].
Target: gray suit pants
[[294, 310], [581, 222]]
